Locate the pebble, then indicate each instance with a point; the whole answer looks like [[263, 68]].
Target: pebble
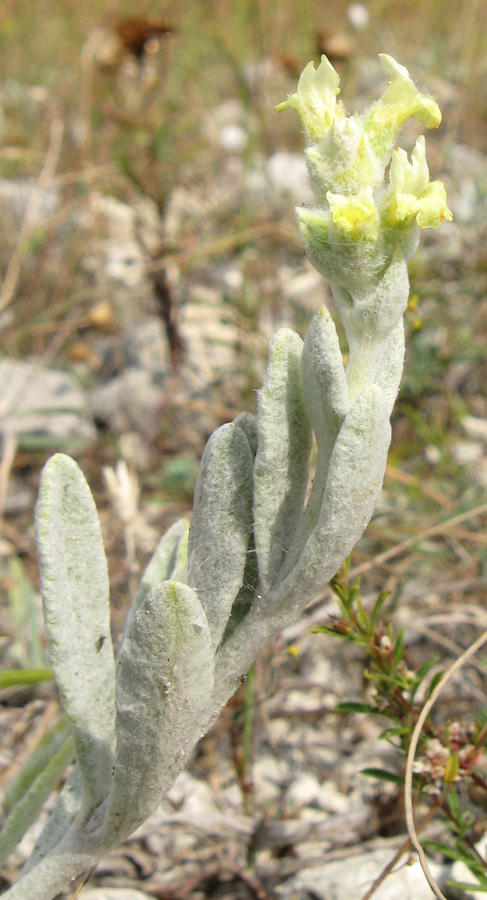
[[42, 404], [352, 877]]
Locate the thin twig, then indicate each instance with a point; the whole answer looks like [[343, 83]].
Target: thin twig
[[6, 463], [408, 781], [31, 214], [405, 846], [217, 246], [83, 883]]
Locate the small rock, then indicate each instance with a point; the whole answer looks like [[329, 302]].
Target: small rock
[[306, 289], [39, 404], [233, 138], [465, 452], [432, 454], [269, 775], [358, 16], [303, 791], [15, 197], [129, 402], [352, 877], [475, 428], [146, 347]]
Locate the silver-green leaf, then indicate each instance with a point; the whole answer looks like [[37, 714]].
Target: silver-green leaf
[[281, 465], [75, 593], [221, 524], [164, 687]]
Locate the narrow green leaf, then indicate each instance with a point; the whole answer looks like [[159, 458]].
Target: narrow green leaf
[[61, 819], [383, 775], [377, 607], [352, 707], [281, 465], [35, 764], [221, 524], [399, 646], [389, 733], [164, 688], [14, 677], [325, 629], [26, 616], [421, 675], [75, 594], [30, 802], [434, 681], [453, 803]]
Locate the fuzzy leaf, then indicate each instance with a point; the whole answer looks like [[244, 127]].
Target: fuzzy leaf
[[247, 423], [389, 371], [353, 485], [354, 481], [327, 403], [75, 594], [168, 557], [221, 524], [281, 465], [164, 685]]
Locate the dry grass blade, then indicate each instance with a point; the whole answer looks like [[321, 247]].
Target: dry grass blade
[[30, 218], [6, 464], [408, 781], [441, 528], [83, 883], [405, 846]]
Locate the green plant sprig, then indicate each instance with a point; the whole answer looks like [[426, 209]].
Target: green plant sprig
[[449, 753]]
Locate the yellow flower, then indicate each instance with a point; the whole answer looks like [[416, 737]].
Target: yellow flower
[[347, 153], [355, 214], [400, 101], [315, 99], [412, 194]]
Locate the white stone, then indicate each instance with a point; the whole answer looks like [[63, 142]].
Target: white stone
[[358, 16], [233, 138], [475, 428], [465, 452], [40, 402], [352, 877]]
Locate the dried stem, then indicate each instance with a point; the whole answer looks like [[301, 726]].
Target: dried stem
[[30, 218]]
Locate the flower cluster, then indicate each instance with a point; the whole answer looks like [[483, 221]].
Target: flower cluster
[[360, 221]]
